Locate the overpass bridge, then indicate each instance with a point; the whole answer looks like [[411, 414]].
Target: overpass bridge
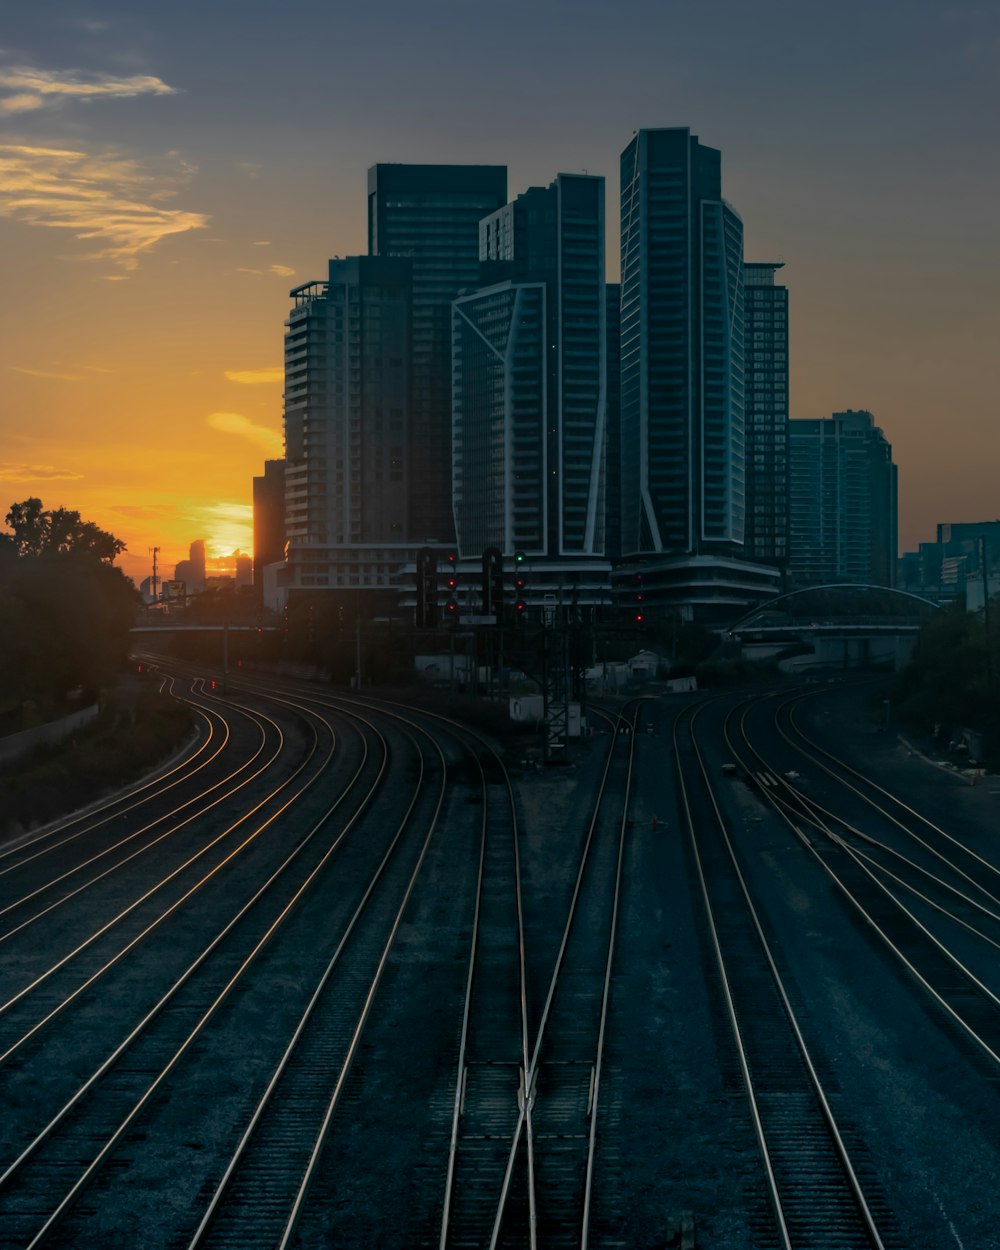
[[837, 626]]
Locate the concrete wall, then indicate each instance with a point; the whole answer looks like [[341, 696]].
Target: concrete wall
[[14, 746]]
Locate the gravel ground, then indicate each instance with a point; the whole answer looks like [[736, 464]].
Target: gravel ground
[[925, 1107]]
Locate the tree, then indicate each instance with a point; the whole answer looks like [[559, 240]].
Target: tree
[[65, 610], [61, 531], [952, 678]]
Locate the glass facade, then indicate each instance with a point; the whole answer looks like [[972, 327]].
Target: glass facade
[[682, 414], [347, 401], [498, 437], [541, 256], [765, 324], [431, 214], [842, 501]]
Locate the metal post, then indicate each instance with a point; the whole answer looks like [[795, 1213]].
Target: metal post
[[986, 608]]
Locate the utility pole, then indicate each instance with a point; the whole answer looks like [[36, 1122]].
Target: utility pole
[[154, 582], [986, 608]]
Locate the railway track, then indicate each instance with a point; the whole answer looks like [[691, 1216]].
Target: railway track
[[103, 1110], [881, 881], [815, 1197]]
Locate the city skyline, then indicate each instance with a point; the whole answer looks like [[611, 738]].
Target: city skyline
[[158, 199]]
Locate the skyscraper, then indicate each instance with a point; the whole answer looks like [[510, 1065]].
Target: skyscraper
[[347, 397], [682, 415], [530, 391], [843, 506], [765, 353], [431, 214], [268, 521]]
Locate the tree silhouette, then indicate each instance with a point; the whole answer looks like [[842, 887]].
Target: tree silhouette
[[36, 532], [65, 610]]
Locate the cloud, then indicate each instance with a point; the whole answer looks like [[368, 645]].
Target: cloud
[[255, 377], [97, 195], [12, 472], [145, 512], [31, 88], [262, 243], [282, 271], [45, 373], [228, 528], [235, 423]]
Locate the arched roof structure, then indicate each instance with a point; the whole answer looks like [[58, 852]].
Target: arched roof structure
[[830, 608]]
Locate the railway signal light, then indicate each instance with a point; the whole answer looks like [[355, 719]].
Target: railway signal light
[[520, 579], [492, 583], [426, 588]]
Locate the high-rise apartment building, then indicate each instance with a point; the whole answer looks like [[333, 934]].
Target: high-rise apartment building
[[268, 521], [430, 214], [682, 367], [613, 474], [347, 428], [843, 504], [530, 391], [765, 356]]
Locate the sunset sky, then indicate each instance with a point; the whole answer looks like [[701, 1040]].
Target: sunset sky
[[168, 171]]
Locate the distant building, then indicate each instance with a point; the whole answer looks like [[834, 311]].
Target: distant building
[[951, 567], [843, 501], [268, 520], [530, 393], [765, 354], [347, 400], [683, 486], [192, 570], [430, 215]]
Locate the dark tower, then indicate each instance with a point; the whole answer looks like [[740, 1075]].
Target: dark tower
[[431, 214]]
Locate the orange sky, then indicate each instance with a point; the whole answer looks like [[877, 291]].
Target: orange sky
[[165, 178]]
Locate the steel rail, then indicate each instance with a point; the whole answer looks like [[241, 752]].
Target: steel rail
[[531, 1071], [808, 805], [324, 1130], [605, 999], [992, 1053], [266, 1098], [111, 1142], [465, 731], [59, 825], [466, 1015], [115, 846], [804, 806], [164, 915], [791, 704], [857, 1194]]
